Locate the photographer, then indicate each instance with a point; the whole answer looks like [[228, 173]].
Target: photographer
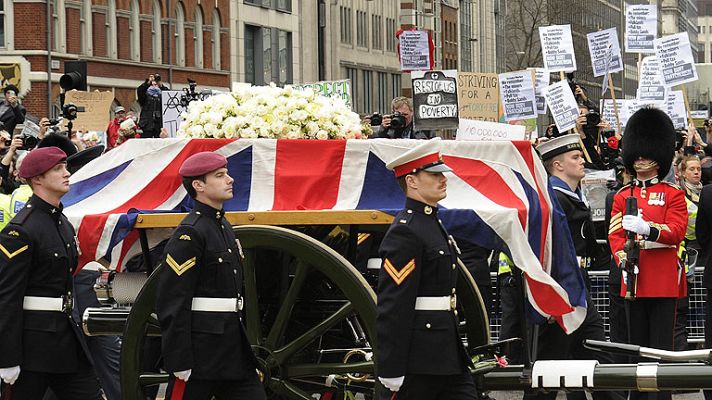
[[398, 125], [9, 183], [11, 111], [149, 98], [590, 127]]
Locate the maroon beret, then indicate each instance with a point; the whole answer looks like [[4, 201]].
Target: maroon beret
[[41, 160], [201, 163]]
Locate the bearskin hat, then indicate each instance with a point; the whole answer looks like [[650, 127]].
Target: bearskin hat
[[60, 141], [650, 134]]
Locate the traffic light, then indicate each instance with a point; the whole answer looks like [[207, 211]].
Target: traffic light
[[75, 75]]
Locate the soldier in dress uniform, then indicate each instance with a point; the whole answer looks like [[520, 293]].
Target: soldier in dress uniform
[[564, 161], [659, 225], [204, 343], [41, 345], [420, 354]]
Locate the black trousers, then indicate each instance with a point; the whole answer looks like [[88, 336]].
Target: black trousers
[[708, 329], [512, 304], [652, 324], [30, 385], [435, 387], [199, 389]]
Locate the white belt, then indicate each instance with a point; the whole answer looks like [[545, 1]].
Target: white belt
[[648, 245], [216, 304], [35, 303], [374, 263], [443, 303]]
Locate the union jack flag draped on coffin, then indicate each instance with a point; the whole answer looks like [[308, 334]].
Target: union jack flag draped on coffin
[[498, 197]]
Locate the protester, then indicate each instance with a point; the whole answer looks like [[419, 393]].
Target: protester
[[12, 112], [149, 98]]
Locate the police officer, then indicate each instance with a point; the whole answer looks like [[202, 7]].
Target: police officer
[[204, 344], [659, 225], [419, 352], [564, 161], [41, 344]]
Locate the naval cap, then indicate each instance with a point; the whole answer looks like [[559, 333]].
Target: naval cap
[[424, 157], [559, 145], [41, 160], [201, 163]]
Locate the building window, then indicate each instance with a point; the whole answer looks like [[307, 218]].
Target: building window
[[367, 91], [198, 37], [85, 30], [382, 88], [352, 75], [180, 35], [284, 5], [377, 29], [157, 32], [390, 34], [285, 58], [251, 36], [268, 50], [216, 39], [361, 29], [266, 55], [134, 31], [345, 19], [111, 49], [395, 85], [59, 31], [2, 24]]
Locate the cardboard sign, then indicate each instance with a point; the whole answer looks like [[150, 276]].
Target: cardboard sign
[[96, 109], [676, 60], [557, 48], [675, 108], [340, 89], [641, 28], [651, 87], [517, 92], [541, 81], [489, 131], [563, 106], [414, 50], [599, 45], [435, 100], [478, 95]]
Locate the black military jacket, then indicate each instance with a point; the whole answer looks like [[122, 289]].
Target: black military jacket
[[578, 215], [419, 259], [39, 256], [203, 259]]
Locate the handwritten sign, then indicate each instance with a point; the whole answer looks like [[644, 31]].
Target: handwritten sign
[[340, 89], [478, 95], [414, 50], [557, 48], [676, 60], [96, 109], [489, 131], [517, 92], [172, 109], [541, 81], [641, 28], [563, 106], [651, 87], [435, 100], [599, 45]]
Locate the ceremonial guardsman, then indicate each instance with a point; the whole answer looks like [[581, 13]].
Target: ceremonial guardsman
[[420, 354], [659, 226], [41, 345], [204, 344]]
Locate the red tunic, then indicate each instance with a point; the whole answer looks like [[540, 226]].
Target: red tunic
[[663, 207]]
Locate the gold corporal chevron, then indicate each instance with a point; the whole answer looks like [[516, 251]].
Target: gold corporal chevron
[[14, 253], [179, 268], [399, 275]]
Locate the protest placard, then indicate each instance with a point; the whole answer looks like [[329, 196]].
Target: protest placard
[[489, 131], [600, 43], [95, 116], [595, 189], [435, 100], [699, 114], [608, 111], [414, 50], [563, 106], [478, 95], [339, 89], [651, 87], [516, 90], [557, 48], [541, 81], [676, 60], [641, 28], [675, 108], [172, 109]]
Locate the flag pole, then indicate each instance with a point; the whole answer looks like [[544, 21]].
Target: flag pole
[[615, 104]]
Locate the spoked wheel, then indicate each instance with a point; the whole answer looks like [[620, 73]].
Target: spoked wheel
[[310, 318]]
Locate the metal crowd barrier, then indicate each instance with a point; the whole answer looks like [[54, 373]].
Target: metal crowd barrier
[[599, 293]]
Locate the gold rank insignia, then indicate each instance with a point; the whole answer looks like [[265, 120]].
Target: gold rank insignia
[[14, 253], [179, 268], [362, 237], [399, 276], [184, 237], [616, 223], [14, 233]]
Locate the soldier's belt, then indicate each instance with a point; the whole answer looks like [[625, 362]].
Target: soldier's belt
[[37, 303], [648, 245], [217, 304], [442, 303]]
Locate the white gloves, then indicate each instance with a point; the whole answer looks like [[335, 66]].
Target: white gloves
[[393, 384], [183, 375], [9, 375], [634, 223]]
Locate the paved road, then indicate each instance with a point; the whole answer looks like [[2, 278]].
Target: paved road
[[507, 395]]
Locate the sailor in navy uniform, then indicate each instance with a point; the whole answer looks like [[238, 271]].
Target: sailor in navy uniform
[[204, 344], [41, 345], [419, 352]]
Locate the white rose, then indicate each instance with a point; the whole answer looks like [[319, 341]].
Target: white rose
[[322, 135], [196, 131]]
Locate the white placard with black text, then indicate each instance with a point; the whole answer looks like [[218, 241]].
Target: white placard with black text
[[651, 87], [599, 45], [676, 60], [641, 28], [557, 48], [675, 108], [414, 50], [516, 90], [471, 129], [562, 104], [541, 81]]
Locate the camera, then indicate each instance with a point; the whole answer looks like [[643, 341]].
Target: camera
[[593, 118], [28, 141], [376, 119], [190, 94], [69, 111], [609, 148], [397, 120], [157, 77]]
